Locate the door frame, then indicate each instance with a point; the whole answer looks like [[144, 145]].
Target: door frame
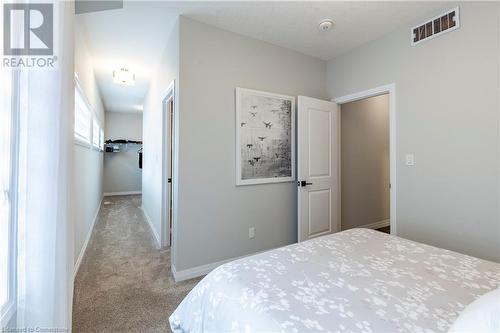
[[389, 89], [167, 97]]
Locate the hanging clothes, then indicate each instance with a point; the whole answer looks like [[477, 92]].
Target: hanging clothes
[[140, 158]]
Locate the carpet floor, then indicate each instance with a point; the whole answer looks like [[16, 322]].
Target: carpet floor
[[124, 283], [387, 229]]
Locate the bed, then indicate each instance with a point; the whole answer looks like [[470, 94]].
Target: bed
[[355, 280]]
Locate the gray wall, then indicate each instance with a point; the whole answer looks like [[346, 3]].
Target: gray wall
[[121, 170], [167, 71], [365, 161], [88, 163], [213, 214], [448, 116]]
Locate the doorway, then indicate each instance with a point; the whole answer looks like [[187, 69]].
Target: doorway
[[168, 103], [364, 163], [367, 159]]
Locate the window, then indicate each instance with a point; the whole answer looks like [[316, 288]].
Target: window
[[96, 132], [87, 127], [7, 239], [101, 141], [82, 116]]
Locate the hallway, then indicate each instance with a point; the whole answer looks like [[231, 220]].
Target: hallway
[[124, 283]]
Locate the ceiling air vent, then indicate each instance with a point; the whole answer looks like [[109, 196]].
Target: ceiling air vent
[[437, 26]]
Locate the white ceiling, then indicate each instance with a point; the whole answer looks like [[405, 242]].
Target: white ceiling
[[294, 25], [135, 36]]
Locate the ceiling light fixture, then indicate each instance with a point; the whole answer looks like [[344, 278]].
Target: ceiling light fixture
[[124, 76], [325, 25]]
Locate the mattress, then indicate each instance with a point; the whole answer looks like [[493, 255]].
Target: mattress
[[356, 280]]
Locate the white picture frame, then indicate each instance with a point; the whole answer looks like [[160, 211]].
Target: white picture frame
[[265, 137]]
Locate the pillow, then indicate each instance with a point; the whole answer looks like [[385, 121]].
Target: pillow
[[482, 315]]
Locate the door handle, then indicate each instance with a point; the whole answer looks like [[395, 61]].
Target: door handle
[[303, 183], [169, 180]]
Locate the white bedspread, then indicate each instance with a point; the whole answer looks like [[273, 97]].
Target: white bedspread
[[356, 280]]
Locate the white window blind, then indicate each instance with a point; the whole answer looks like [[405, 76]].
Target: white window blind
[[96, 132], [82, 116], [101, 140]]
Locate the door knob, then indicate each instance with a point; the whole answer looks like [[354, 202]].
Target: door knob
[[303, 183]]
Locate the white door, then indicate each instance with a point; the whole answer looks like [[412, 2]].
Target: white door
[[317, 168]]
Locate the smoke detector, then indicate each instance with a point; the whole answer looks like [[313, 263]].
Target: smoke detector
[[325, 25]]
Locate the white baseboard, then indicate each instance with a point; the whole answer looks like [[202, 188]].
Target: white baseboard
[[376, 225], [110, 194], [151, 227], [201, 270], [197, 271], [86, 243]]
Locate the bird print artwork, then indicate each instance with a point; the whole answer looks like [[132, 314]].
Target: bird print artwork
[[264, 126]]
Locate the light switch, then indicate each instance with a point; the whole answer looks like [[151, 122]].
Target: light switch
[[251, 232], [410, 159]]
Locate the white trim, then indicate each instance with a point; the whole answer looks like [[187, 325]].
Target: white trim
[[376, 225], [239, 181], [111, 194], [169, 90], [152, 229], [201, 270], [391, 90], [366, 94], [168, 94], [88, 142], [82, 142], [87, 240]]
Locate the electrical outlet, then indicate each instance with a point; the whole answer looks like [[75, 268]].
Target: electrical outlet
[[410, 159], [251, 232]]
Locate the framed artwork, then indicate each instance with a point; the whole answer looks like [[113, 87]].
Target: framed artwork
[[265, 137]]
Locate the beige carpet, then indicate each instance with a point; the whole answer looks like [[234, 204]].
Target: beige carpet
[[124, 283]]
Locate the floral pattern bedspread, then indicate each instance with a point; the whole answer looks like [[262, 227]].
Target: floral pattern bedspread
[[358, 280]]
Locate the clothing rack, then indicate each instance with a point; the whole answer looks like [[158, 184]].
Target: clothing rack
[[113, 146]]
